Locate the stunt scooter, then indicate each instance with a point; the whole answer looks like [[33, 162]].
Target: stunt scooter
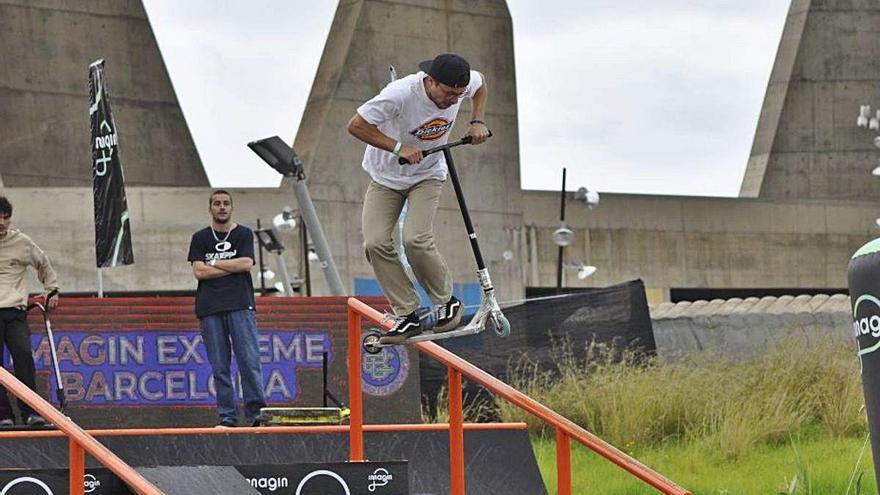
[[489, 313], [59, 385]]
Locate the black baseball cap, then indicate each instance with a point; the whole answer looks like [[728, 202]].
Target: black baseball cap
[[449, 69]]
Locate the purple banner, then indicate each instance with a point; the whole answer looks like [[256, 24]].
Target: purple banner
[[138, 368]]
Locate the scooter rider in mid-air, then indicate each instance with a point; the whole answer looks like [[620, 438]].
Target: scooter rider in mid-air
[[410, 114]]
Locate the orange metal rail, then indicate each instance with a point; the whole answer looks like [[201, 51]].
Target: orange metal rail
[[258, 430], [458, 367], [80, 442]]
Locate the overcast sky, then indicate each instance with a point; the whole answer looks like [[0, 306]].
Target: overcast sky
[[640, 96]]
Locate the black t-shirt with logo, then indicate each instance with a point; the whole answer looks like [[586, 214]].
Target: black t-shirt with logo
[[234, 291]]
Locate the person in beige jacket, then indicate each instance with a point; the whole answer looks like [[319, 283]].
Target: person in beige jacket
[[17, 253]]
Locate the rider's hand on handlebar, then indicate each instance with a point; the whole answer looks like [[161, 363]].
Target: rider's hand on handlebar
[[478, 132], [410, 154]]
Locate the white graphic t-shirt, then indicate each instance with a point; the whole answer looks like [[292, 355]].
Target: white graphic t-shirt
[[404, 112]]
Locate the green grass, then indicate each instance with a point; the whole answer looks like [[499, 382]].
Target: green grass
[[789, 421], [825, 465], [726, 407]]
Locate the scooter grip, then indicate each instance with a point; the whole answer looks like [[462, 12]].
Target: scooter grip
[[50, 295]]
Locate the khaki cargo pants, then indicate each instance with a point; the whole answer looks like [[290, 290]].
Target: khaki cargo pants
[[382, 207]]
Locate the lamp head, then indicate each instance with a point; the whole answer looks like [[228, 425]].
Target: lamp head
[[590, 198], [278, 155], [313, 256], [270, 239], [286, 220], [563, 236], [585, 271]]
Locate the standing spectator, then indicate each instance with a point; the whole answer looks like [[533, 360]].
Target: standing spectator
[[222, 255], [17, 253]]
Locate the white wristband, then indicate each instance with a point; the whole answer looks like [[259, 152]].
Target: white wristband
[[396, 150]]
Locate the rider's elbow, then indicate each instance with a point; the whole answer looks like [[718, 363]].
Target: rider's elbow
[[353, 125]]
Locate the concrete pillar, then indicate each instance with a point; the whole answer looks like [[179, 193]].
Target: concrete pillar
[[366, 37], [46, 51], [807, 145]]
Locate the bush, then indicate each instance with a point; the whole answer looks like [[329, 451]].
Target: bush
[[727, 406]]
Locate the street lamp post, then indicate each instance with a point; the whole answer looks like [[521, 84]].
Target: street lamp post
[[262, 265], [564, 236], [270, 240], [304, 241], [289, 220], [561, 251], [281, 157]]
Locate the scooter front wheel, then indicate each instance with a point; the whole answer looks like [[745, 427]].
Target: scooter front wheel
[[500, 324], [371, 343]]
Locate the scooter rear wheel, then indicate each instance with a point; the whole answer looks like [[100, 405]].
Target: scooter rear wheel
[[371, 343]]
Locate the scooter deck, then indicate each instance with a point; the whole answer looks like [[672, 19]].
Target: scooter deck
[[430, 335]]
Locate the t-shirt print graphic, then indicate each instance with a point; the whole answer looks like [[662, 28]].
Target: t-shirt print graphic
[[432, 129]]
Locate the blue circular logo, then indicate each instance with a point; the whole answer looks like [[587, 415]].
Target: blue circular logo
[[385, 372]]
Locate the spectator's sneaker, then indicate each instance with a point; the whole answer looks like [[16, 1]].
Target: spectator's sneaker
[[449, 315], [227, 423], [7, 423], [406, 327], [36, 421]]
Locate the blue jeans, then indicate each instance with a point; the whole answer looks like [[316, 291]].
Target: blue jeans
[[224, 333]]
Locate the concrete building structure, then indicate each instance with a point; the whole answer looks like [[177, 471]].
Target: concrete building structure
[[807, 202], [362, 44], [47, 46], [806, 145]]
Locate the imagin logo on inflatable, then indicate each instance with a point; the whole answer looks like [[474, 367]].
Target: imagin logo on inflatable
[[867, 324]]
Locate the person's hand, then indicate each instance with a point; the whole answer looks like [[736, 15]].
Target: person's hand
[[52, 302], [478, 132], [410, 154]]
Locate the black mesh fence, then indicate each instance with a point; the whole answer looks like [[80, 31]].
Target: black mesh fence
[[546, 326]]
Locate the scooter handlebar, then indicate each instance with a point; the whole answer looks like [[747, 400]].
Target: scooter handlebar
[[43, 307], [429, 151]]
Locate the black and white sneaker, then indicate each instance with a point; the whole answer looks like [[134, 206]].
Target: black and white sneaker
[[449, 315], [36, 421], [406, 327]]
